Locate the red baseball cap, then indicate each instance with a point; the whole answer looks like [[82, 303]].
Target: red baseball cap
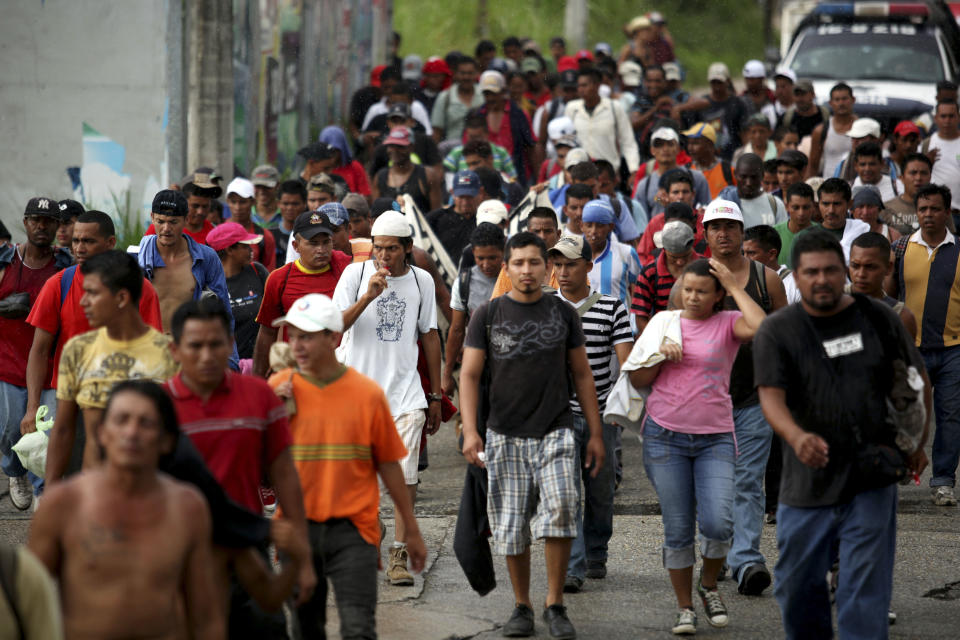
[[228, 234], [436, 65], [905, 128], [584, 54], [399, 136], [567, 63]]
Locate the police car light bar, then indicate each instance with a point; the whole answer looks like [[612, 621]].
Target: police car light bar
[[872, 9]]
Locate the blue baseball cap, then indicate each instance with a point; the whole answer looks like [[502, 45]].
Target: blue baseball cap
[[466, 183], [336, 213]]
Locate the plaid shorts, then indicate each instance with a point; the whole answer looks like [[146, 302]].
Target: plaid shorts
[[533, 485]]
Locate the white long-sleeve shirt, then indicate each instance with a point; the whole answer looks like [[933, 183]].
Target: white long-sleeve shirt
[[606, 133]]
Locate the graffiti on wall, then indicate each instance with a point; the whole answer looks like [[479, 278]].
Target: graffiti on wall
[[267, 82], [295, 66], [102, 183]]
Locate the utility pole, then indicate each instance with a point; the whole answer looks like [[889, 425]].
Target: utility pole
[[575, 23]]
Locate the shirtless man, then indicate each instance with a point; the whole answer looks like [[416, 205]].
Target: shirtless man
[[120, 347], [179, 267], [130, 546]]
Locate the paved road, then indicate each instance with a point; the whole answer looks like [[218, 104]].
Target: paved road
[[635, 600]]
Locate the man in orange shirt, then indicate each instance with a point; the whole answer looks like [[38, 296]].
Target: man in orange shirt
[[701, 145], [343, 437]]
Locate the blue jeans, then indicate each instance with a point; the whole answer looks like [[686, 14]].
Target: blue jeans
[[349, 562], [13, 406], [865, 530], [943, 367], [754, 436], [693, 477], [595, 517]]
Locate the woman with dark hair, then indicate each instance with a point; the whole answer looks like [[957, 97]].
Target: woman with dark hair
[[688, 435]]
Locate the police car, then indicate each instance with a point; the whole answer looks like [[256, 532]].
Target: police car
[[892, 54]]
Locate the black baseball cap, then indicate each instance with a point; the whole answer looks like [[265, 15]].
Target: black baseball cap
[[310, 223], [316, 151], [70, 209], [42, 207], [169, 203], [399, 110], [568, 78]]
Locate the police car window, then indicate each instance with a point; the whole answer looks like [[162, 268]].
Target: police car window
[[869, 52]]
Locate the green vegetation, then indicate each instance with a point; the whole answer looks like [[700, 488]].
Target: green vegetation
[[703, 30]]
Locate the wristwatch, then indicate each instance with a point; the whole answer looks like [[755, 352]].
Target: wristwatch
[[434, 397]]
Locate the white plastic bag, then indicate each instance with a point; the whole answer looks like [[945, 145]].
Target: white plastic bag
[[32, 448]]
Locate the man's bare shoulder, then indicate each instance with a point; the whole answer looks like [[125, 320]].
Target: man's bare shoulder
[[188, 499]]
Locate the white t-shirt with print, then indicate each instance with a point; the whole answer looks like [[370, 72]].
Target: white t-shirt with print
[[382, 343]]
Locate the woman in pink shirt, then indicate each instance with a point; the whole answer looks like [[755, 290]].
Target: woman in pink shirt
[[688, 436]]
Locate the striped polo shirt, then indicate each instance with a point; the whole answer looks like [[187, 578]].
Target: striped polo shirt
[[930, 286], [614, 270], [605, 324], [652, 293]]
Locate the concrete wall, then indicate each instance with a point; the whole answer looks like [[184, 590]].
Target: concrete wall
[[130, 95], [82, 84]]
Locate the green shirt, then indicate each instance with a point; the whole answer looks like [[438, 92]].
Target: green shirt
[[786, 240]]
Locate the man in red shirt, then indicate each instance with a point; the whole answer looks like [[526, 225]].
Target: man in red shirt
[[240, 200], [56, 316], [23, 270], [317, 270], [238, 425]]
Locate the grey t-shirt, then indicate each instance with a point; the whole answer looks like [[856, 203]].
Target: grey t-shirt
[[527, 355], [481, 286]]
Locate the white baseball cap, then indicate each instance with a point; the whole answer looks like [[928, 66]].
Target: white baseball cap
[[718, 71], [665, 133], [863, 127], [575, 156], [391, 223], [559, 127], [722, 210], [492, 81], [311, 313], [240, 186], [492, 211], [754, 69], [784, 72]]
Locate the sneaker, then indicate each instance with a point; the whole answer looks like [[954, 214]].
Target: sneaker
[[771, 518], [713, 605], [755, 579], [21, 492], [520, 624], [596, 570], [572, 584], [686, 623], [892, 616], [558, 624], [397, 572], [942, 496]]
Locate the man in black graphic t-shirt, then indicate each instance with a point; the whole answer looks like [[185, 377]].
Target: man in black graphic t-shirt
[[530, 341]]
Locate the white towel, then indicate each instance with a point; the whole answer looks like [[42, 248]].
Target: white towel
[[625, 403]]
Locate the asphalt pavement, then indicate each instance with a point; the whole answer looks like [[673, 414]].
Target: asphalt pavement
[[635, 600]]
